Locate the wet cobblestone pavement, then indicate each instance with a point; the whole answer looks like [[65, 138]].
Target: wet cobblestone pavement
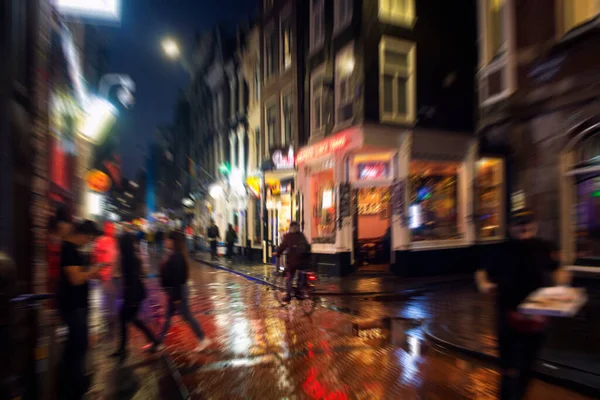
[[350, 285], [261, 350], [264, 351]]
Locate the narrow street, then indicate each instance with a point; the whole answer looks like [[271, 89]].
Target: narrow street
[[264, 351]]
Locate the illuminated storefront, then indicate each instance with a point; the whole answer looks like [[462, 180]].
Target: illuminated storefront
[[380, 199], [280, 199]]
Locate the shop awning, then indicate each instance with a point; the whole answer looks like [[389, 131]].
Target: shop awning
[[438, 145]]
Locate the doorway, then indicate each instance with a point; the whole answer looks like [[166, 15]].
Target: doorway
[[372, 236]]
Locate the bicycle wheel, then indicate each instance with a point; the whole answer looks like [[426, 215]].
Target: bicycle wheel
[[308, 300], [279, 291]]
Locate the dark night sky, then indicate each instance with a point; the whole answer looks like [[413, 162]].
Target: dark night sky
[[134, 49]]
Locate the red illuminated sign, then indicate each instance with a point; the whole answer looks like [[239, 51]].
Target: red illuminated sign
[[323, 148]]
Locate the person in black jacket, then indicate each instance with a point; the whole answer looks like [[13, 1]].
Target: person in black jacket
[[134, 293], [231, 237], [174, 276]]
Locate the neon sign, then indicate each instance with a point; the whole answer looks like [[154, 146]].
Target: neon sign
[[323, 148]]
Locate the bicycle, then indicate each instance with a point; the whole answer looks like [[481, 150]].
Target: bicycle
[[304, 291]]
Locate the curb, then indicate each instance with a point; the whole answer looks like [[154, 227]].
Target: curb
[[373, 295], [551, 372]]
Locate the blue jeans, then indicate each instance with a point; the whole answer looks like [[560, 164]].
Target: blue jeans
[[184, 311]]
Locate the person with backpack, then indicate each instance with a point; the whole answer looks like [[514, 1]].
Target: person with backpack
[[134, 294], [174, 276], [230, 238], [297, 257]]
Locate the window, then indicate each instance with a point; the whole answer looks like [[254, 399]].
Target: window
[[577, 12], [344, 95], [490, 193], [258, 148], [270, 53], [233, 102], [286, 42], [257, 82], [587, 229], [433, 207], [287, 111], [400, 12], [322, 189], [318, 110], [269, 4], [342, 14], [397, 81], [257, 223], [496, 25], [317, 24], [271, 116]]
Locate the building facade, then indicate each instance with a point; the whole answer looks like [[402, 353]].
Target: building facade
[[538, 90], [387, 177], [282, 27]]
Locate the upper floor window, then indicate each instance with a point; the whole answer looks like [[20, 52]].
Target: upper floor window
[[233, 99], [269, 4], [495, 23], [317, 24], [344, 95], [397, 80], [400, 12], [317, 102], [286, 42], [270, 53], [257, 82], [271, 122], [342, 13], [577, 12], [287, 113]]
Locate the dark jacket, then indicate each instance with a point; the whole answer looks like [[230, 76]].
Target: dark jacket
[[231, 236], [174, 274], [298, 251], [134, 290]]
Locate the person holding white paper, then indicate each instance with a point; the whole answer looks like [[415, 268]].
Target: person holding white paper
[[520, 265]]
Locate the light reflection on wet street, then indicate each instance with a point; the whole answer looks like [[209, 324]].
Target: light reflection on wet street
[[264, 351]]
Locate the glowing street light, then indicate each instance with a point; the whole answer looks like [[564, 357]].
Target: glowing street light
[[171, 48]]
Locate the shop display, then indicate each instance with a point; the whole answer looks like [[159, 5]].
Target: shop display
[[489, 197], [324, 209]]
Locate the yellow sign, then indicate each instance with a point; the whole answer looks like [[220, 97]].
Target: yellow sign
[[253, 183], [98, 181]]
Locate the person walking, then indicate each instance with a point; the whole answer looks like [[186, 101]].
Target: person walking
[[174, 276], [297, 250], [106, 253], [213, 236], [230, 237], [73, 307], [520, 265], [134, 293], [189, 238]]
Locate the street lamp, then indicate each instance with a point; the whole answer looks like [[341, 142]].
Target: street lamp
[[171, 48]]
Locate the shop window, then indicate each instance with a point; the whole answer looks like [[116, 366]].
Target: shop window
[[322, 188], [587, 218], [397, 80], [257, 223], [577, 12], [399, 12], [433, 209], [344, 95], [490, 192]]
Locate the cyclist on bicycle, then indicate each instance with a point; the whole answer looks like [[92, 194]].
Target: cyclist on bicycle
[[298, 257]]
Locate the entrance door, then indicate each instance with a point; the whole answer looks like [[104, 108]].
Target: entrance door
[[373, 229]]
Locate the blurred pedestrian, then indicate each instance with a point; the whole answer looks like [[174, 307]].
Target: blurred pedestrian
[[213, 236], [134, 293], [520, 265], [160, 238], [174, 276], [106, 253], [8, 283], [297, 250], [189, 238], [230, 238], [73, 306]]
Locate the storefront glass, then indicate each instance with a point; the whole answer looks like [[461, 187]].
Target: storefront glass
[[433, 210], [489, 193], [587, 230], [323, 199]]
